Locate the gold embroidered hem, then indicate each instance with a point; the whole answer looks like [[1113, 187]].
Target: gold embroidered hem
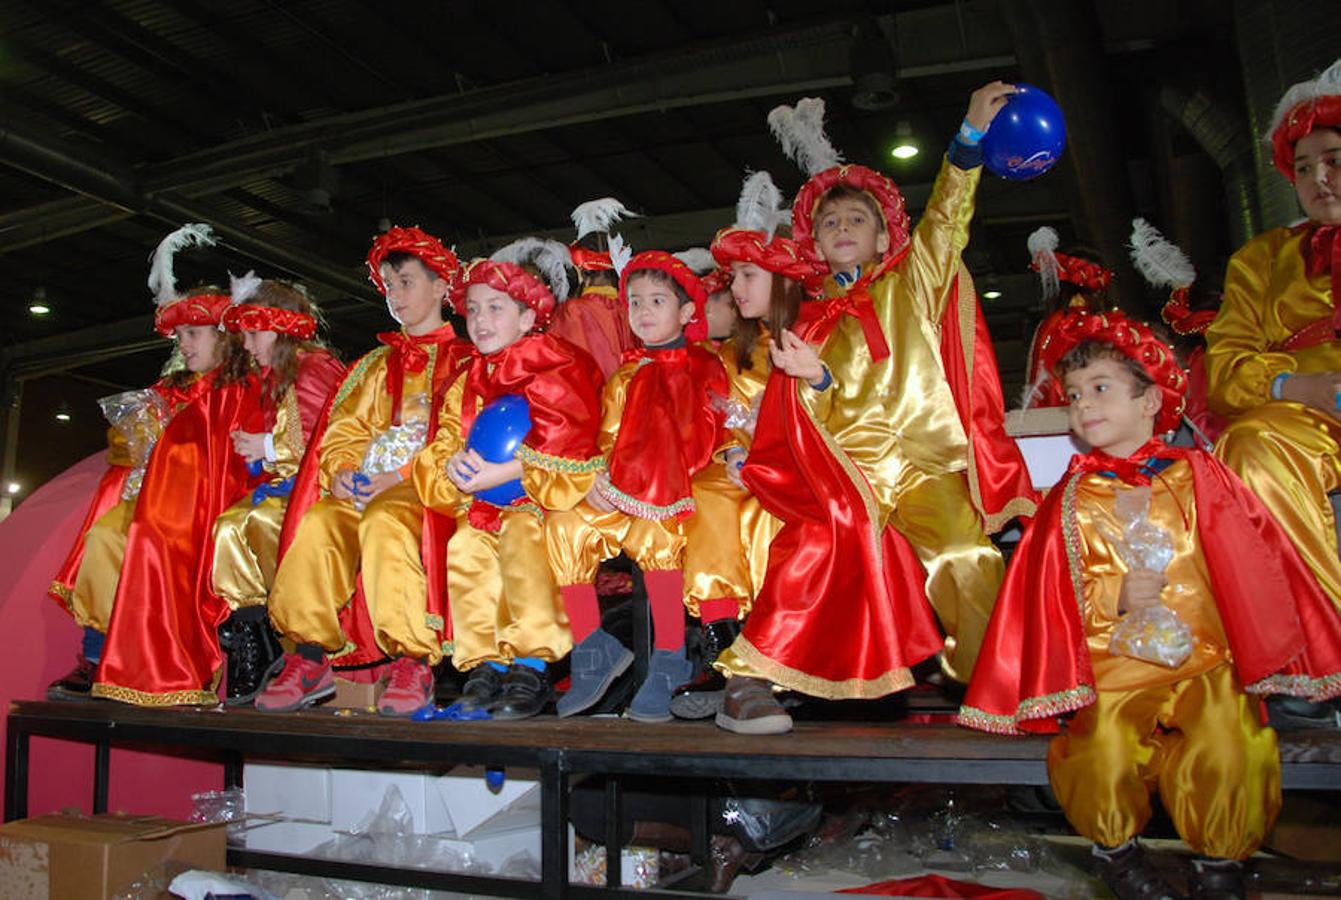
[[529, 457], [742, 658], [143, 698], [1047, 706], [640, 509], [1316, 690], [65, 593]]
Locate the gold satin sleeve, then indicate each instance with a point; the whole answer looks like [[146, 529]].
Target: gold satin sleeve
[[557, 483], [431, 483], [1198, 742], [1268, 297], [287, 436], [613, 396], [937, 245], [1187, 593]]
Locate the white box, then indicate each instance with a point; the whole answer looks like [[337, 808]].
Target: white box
[[295, 838], [294, 792], [459, 804], [1047, 456]]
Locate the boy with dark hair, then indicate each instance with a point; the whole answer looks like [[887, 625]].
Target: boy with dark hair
[[1153, 597]]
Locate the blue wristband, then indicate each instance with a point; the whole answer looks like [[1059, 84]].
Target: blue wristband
[[968, 134], [1278, 385], [826, 383]]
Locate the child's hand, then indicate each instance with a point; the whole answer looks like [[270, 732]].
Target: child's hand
[[375, 484], [1318, 390], [472, 473], [986, 102], [797, 358], [735, 461], [343, 486], [596, 498], [1140, 590], [249, 446]]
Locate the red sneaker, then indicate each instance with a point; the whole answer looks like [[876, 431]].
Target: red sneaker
[[409, 686], [300, 684]]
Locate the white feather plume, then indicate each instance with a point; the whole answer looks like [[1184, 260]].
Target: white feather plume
[[1032, 392], [800, 131], [1327, 84], [698, 259], [760, 205], [1043, 253], [1159, 261], [620, 253], [549, 256], [240, 290], [596, 216], [162, 280]]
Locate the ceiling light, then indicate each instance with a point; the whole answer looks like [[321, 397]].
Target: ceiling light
[[13, 487], [905, 145], [993, 294], [39, 309], [63, 413], [904, 151]]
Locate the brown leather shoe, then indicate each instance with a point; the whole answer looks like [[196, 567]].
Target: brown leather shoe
[[749, 707], [726, 857]]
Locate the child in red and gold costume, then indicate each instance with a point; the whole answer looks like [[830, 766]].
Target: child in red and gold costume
[[508, 622], [361, 521], [880, 442], [298, 374], [162, 647], [726, 554], [1273, 357], [660, 427], [595, 319], [1141, 541], [87, 582]]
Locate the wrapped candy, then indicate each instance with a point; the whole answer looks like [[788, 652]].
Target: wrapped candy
[[397, 445], [1155, 634], [139, 417]]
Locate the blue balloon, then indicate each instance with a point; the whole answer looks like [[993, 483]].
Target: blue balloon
[[496, 434], [1026, 138]]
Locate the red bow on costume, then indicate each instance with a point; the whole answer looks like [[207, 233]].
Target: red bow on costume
[[409, 353], [1323, 254]]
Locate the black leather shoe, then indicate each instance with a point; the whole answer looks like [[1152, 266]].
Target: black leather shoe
[[701, 697], [76, 684], [525, 693], [1286, 713], [483, 688], [254, 655], [1216, 879], [1130, 875]]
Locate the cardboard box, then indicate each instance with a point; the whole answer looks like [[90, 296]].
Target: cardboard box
[[85, 858], [355, 694]]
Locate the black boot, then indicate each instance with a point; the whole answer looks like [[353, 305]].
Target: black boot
[[526, 691], [1216, 879], [254, 654], [1130, 874], [77, 684], [701, 698]]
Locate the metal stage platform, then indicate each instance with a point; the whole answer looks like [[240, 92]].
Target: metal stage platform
[[557, 749]]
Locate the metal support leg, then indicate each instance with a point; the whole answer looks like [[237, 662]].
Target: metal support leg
[[699, 827], [16, 773], [102, 775], [232, 771], [614, 838], [553, 825]]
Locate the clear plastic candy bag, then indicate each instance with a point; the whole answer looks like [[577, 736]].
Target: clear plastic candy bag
[[1155, 634], [139, 416]]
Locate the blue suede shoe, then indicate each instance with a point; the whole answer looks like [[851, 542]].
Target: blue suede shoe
[[596, 663], [666, 670]]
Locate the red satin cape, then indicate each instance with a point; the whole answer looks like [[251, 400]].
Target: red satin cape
[[843, 598], [1284, 634], [668, 430]]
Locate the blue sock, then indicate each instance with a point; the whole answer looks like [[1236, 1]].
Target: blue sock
[[92, 644], [531, 662], [496, 666]]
